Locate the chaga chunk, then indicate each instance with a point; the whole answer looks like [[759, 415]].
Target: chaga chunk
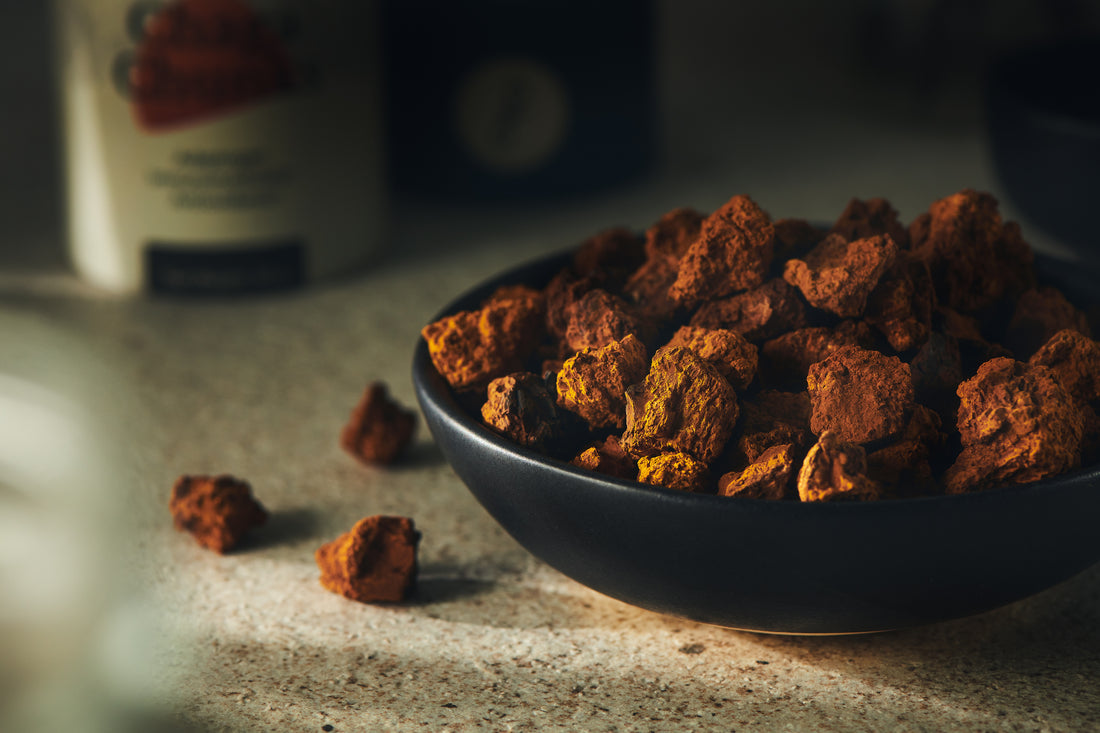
[[665, 244], [785, 360], [1017, 424], [678, 471], [1074, 360], [794, 238], [599, 318], [559, 295], [870, 218], [375, 562], [936, 369], [217, 510], [729, 353], [1041, 313], [974, 258], [834, 469], [903, 468], [771, 419], [593, 383], [610, 254], [839, 276], [860, 396], [379, 428], [521, 407], [974, 349], [759, 314], [683, 406], [672, 235], [733, 252], [765, 478], [609, 458], [471, 348], [901, 306]]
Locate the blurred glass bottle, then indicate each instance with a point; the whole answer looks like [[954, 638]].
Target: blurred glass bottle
[[219, 146]]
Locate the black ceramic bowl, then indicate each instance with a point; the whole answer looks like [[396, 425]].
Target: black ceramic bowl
[[786, 567], [1043, 113]]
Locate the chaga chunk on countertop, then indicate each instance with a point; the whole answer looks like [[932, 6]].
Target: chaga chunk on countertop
[[373, 562], [218, 511], [379, 428]]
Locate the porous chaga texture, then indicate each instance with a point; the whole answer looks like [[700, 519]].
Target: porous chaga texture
[[834, 469], [860, 395], [903, 468], [611, 254], [599, 318], [375, 562], [563, 290], [838, 276], [870, 218], [785, 360], [901, 306], [609, 458], [794, 238], [522, 408], [974, 258], [1017, 424], [768, 477], [759, 314], [733, 252], [471, 348], [217, 510], [936, 370], [1041, 313], [1074, 360], [678, 471], [593, 383], [671, 236], [379, 428], [734, 357], [683, 406], [665, 243]]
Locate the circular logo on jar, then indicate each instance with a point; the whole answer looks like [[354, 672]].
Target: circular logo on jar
[[512, 114]]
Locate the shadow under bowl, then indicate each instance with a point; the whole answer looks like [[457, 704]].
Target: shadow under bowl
[[780, 567]]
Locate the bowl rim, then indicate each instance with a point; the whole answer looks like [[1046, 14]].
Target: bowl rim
[[434, 392]]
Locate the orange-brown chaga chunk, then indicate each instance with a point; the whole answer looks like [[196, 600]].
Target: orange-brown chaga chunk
[[515, 292], [759, 314], [611, 254], [374, 562], [599, 318], [836, 470], [860, 396], [672, 235], [839, 276], [1017, 424], [609, 458], [903, 468], [1074, 360], [470, 348], [733, 252], [1041, 313], [683, 406], [379, 428], [901, 306], [521, 407], [678, 471], [217, 510], [974, 258], [768, 477], [785, 360], [593, 383], [869, 218], [794, 238], [734, 357]]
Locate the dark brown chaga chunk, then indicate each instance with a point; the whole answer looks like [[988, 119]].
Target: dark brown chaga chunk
[[975, 259], [678, 471], [593, 383], [609, 458], [1074, 360], [870, 218], [560, 294], [770, 419], [860, 396], [974, 349], [785, 360], [936, 369], [599, 318], [734, 357], [759, 314], [683, 406], [379, 429], [733, 252], [665, 244], [768, 477], [522, 408], [218, 511], [1041, 313], [794, 238], [1017, 424], [374, 562], [901, 306], [836, 470], [839, 276], [609, 257], [904, 467], [672, 235]]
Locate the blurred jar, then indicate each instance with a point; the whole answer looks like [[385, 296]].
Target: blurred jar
[[219, 146]]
